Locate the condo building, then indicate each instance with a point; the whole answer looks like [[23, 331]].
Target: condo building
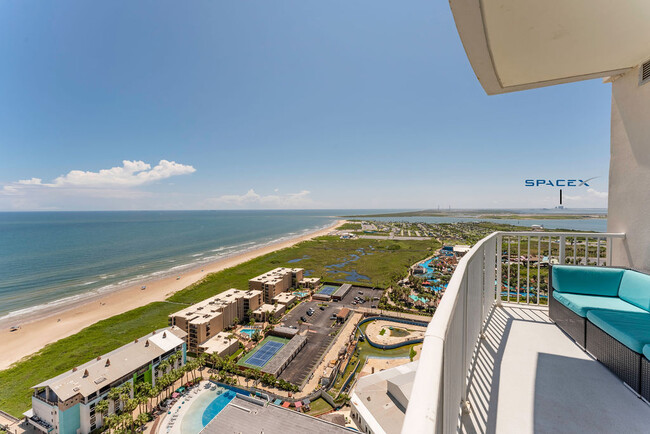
[[276, 281], [205, 319], [66, 403]]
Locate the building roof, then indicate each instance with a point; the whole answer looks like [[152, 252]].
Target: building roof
[[277, 362], [285, 297], [343, 312], [523, 44], [275, 275], [218, 343], [105, 369], [310, 279], [269, 308], [250, 416], [284, 331], [206, 310], [343, 289], [382, 397]]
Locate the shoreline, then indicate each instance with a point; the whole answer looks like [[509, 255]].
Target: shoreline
[[63, 321]]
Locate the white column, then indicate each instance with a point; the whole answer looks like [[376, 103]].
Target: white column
[[629, 172]]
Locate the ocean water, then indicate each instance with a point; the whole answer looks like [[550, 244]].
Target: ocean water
[[51, 258]]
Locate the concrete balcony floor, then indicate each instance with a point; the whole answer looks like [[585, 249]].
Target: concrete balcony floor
[[529, 376]]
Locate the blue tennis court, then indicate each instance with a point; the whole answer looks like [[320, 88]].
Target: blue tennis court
[[264, 354], [328, 289]]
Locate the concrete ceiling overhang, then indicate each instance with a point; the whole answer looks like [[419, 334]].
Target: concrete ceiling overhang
[[524, 44]]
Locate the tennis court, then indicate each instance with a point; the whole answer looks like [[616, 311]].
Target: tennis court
[[264, 352], [328, 289]]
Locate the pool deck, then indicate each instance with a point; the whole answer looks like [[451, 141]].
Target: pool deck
[[179, 413]]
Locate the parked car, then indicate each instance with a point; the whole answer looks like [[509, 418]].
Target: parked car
[[310, 313], [322, 308], [303, 319], [374, 306], [360, 292]]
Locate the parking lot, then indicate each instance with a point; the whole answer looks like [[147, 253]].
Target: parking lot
[[318, 328]]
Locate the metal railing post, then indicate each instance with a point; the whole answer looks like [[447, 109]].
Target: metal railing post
[[562, 246], [497, 291], [608, 256]]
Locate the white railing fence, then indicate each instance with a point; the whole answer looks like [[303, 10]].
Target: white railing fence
[[489, 273]]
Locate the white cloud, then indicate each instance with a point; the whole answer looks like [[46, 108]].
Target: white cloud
[[33, 181], [251, 199], [130, 174], [67, 190]]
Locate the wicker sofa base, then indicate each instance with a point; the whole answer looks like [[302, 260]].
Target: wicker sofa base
[[570, 322], [645, 378], [622, 361]]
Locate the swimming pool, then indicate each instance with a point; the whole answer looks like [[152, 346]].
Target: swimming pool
[[248, 332], [416, 298], [206, 406]]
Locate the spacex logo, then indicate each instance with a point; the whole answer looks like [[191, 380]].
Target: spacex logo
[[558, 182]]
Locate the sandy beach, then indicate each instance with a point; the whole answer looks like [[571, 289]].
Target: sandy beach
[[34, 334]]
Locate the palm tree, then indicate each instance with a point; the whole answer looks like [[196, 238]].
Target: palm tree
[[114, 395], [101, 408]]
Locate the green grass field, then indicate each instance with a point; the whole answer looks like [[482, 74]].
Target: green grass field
[[243, 363], [389, 259], [319, 406]]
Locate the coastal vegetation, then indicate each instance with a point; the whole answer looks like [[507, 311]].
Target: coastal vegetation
[[329, 257], [350, 226], [491, 214]]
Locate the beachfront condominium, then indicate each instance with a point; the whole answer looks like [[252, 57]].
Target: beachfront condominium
[[205, 319], [276, 281], [66, 403]]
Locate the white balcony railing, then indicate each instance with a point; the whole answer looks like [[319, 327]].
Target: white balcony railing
[[503, 261]]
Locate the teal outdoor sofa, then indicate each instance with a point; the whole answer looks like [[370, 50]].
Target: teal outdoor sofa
[[607, 312]]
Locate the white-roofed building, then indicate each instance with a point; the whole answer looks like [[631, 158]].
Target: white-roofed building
[[222, 344], [378, 402], [65, 404]]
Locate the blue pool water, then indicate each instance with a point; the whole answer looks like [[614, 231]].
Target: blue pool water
[[206, 406], [248, 332], [416, 298], [218, 404], [301, 294]]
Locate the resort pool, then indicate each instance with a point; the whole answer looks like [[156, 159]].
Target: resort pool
[[205, 407], [248, 332], [416, 298], [301, 294]]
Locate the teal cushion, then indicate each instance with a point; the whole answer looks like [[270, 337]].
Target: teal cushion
[[580, 303], [632, 329], [587, 280], [635, 289], [646, 351]]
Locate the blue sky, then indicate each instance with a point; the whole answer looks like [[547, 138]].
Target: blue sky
[[283, 104]]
